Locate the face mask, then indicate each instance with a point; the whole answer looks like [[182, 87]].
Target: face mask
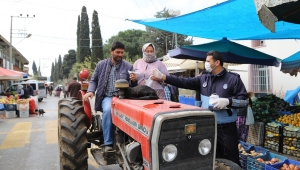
[[207, 67], [148, 57]]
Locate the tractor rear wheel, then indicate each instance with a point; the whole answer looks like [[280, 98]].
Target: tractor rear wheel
[[72, 134], [224, 164]]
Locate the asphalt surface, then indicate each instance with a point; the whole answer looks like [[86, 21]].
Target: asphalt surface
[[32, 143]]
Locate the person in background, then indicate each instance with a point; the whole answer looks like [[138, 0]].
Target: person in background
[[30, 89], [102, 82], [22, 92], [232, 95], [50, 89], [66, 90], [145, 66], [74, 88]]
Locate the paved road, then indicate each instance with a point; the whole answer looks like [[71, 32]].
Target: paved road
[[32, 143]]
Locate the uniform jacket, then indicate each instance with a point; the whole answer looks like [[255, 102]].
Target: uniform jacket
[[100, 77], [225, 84]]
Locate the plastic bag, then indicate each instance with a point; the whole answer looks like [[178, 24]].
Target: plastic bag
[[149, 82], [250, 117]]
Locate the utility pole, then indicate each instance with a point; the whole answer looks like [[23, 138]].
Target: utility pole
[[174, 14], [10, 44]]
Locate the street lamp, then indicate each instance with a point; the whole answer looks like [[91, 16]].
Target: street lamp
[[10, 44]]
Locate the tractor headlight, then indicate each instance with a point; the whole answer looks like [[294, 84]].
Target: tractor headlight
[[204, 147], [169, 153]]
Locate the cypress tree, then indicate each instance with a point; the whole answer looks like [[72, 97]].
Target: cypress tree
[[84, 50], [34, 69], [78, 38], [97, 45], [68, 61], [52, 72], [59, 68]]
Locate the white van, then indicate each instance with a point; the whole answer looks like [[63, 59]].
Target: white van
[[39, 88]]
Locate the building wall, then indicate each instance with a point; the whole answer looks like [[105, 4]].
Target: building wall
[[281, 49]]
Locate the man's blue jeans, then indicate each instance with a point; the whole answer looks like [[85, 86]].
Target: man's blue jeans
[[107, 125]]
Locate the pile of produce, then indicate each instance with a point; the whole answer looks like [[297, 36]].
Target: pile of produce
[[9, 100], [292, 119], [22, 101], [272, 161], [265, 109], [252, 153], [290, 167]]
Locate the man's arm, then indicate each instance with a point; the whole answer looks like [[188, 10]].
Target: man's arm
[[241, 97]]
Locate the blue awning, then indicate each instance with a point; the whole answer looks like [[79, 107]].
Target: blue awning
[[233, 19], [291, 64], [232, 53]]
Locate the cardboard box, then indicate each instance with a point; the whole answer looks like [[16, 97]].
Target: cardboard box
[[10, 107], [24, 113], [10, 114]]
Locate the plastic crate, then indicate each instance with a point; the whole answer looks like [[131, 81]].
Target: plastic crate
[[243, 158], [291, 151], [277, 166], [253, 164], [256, 134], [292, 134], [24, 114], [274, 143], [278, 129], [10, 107], [10, 114]]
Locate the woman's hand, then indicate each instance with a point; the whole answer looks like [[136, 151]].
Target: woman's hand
[[133, 77]]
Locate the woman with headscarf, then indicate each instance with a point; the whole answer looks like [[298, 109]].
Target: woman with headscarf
[[143, 70], [23, 92]]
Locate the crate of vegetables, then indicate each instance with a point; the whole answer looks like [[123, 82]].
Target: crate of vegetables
[[291, 150], [274, 127], [273, 141], [288, 164], [253, 151], [244, 149], [259, 162], [291, 131]]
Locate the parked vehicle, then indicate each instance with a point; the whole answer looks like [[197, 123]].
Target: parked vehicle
[[39, 88]]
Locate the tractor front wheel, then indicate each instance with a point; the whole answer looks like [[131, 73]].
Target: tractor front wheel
[[72, 134]]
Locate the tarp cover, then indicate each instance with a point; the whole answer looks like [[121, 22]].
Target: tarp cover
[[234, 19], [291, 96], [232, 53]]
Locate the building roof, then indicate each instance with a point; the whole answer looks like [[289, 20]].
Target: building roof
[[16, 53]]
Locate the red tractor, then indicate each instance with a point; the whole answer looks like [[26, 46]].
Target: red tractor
[[149, 135]]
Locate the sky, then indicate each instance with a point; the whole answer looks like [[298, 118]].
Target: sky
[[54, 25]]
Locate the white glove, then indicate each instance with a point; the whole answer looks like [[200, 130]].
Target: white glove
[[221, 103], [157, 74]]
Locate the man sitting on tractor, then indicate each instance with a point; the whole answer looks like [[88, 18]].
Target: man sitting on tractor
[[108, 70]]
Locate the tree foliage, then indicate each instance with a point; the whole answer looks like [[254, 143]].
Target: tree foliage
[[84, 48], [34, 69], [52, 72], [133, 41], [97, 45], [77, 67], [164, 40], [78, 38], [59, 68], [68, 61]]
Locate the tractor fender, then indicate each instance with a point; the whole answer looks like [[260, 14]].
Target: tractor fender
[[86, 106]]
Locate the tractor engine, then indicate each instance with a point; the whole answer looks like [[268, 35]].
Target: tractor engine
[[164, 135]]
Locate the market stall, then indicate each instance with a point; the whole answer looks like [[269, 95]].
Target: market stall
[[13, 107]]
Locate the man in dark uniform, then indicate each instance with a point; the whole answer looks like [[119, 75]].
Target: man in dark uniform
[[232, 95], [30, 89]]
